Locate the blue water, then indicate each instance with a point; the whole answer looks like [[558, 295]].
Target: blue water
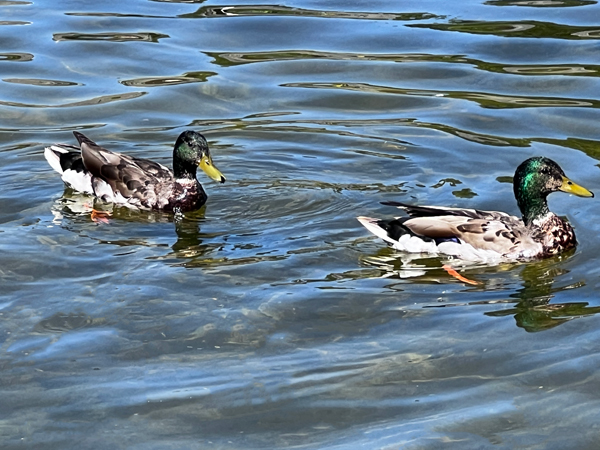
[[270, 318]]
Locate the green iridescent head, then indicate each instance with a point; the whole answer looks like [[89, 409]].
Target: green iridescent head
[[534, 179], [190, 152]]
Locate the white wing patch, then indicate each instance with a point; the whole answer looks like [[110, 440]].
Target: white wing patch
[[52, 158], [103, 190], [80, 181], [406, 243]]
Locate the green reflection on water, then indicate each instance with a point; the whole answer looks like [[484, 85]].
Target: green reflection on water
[[534, 312], [587, 146], [464, 193], [521, 29], [533, 318], [540, 283]]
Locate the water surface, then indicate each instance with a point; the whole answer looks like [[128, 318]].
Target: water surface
[[270, 318]]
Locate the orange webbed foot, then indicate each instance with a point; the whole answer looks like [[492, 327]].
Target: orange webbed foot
[[458, 276], [100, 216]]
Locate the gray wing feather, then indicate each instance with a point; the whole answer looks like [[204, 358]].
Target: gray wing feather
[[126, 175]]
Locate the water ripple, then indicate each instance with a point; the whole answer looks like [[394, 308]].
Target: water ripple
[[593, 34], [277, 10], [541, 3], [111, 14], [228, 59], [40, 82], [92, 101], [485, 100], [16, 57], [188, 77], [46, 129], [114, 37], [61, 322], [270, 318], [524, 29], [563, 69]]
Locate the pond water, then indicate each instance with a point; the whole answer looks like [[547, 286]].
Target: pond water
[[271, 318]]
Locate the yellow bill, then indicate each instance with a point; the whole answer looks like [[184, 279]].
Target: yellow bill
[[209, 169], [573, 188]]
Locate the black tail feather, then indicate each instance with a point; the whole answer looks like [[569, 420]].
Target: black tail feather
[[395, 229], [82, 138]]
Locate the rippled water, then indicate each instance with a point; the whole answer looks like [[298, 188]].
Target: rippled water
[[270, 318]]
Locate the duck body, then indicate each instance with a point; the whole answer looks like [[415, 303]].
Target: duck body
[[476, 235], [471, 234], [136, 182]]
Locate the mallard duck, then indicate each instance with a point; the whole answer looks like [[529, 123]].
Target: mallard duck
[[475, 235], [135, 182]]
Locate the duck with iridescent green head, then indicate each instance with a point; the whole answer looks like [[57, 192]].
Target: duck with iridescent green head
[[475, 235], [136, 182]]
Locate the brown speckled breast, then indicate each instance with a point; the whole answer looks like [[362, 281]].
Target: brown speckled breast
[[557, 236]]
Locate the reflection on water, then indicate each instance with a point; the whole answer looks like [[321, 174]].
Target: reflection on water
[[483, 99], [74, 205], [280, 10], [523, 29], [190, 77], [541, 3], [229, 59], [13, 22], [115, 37], [92, 101], [38, 82], [16, 57], [540, 281], [269, 319], [534, 312], [61, 322]]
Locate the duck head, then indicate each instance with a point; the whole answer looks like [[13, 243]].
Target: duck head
[[190, 152], [534, 180]]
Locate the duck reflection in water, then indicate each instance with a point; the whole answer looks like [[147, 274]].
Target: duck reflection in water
[[80, 213], [540, 282], [533, 310]]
